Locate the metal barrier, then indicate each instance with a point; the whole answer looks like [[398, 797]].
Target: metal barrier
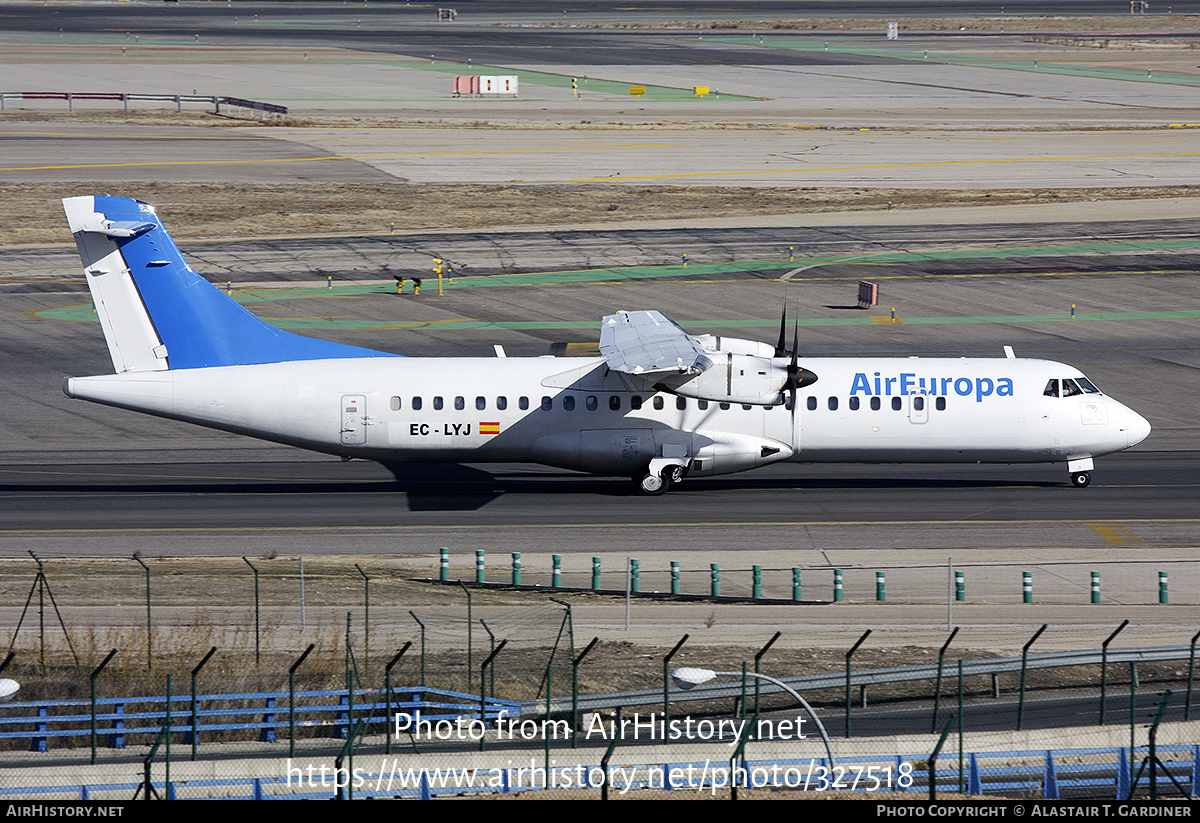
[[216, 101], [1048, 773], [262, 720]]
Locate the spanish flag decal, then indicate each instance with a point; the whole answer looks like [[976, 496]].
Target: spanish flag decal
[[489, 428]]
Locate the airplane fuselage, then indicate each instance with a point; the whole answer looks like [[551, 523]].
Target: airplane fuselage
[[574, 413]]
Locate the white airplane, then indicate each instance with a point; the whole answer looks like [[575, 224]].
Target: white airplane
[[659, 405]]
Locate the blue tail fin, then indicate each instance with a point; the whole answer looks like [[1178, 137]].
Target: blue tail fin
[[159, 314]]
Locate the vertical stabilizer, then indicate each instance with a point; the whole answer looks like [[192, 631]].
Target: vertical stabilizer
[[133, 343], [159, 314]]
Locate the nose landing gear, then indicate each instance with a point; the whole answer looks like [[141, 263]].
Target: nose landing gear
[[1081, 472]]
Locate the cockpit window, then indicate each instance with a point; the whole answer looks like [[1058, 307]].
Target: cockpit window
[[1051, 389], [1071, 388], [1087, 386]]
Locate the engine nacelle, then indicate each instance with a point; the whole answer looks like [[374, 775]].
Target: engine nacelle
[[725, 453], [736, 345], [733, 378]]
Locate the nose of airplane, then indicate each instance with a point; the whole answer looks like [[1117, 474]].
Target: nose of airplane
[[1137, 427]]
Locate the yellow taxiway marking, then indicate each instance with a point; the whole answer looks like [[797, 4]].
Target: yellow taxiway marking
[[1116, 534], [928, 164], [317, 159]]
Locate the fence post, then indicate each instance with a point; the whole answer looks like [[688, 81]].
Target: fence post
[[1104, 670], [195, 732], [1024, 670], [849, 654], [116, 740], [267, 733], [95, 675], [292, 701], [38, 744]]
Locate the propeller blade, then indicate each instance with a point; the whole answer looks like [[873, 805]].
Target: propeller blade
[[780, 351]]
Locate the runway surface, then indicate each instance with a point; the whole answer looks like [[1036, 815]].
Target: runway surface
[[82, 478]]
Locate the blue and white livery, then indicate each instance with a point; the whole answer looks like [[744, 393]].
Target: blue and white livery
[[659, 405]]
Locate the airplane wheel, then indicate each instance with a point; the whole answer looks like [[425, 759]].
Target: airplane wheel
[[1081, 480], [654, 484]]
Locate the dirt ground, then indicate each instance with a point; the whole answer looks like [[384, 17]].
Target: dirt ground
[[244, 211]]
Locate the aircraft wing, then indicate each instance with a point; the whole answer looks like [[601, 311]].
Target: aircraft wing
[[646, 342]]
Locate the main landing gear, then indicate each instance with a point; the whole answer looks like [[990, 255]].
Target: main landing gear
[[653, 483]]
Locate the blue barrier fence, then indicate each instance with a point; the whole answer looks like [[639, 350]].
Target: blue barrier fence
[[1044, 773], [246, 716]]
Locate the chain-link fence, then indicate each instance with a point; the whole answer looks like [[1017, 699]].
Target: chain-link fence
[[322, 686]]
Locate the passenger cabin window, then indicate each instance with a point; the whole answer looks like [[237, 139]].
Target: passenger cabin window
[[812, 404], [459, 404], [832, 403], [501, 403], [547, 404], [854, 403], [614, 402], [746, 407], [481, 403], [658, 403], [523, 403], [416, 404], [1051, 389], [940, 404], [918, 403], [702, 404], [875, 404], [681, 403], [897, 403], [569, 403], [395, 404], [789, 403], [724, 407], [592, 403], [635, 402], [437, 403]]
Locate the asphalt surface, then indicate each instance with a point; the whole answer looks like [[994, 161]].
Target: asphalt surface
[[82, 478]]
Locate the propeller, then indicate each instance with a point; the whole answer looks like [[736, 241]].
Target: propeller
[[797, 377]]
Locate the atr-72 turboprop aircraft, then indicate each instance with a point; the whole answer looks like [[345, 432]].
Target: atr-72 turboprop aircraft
[[659, 405]]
